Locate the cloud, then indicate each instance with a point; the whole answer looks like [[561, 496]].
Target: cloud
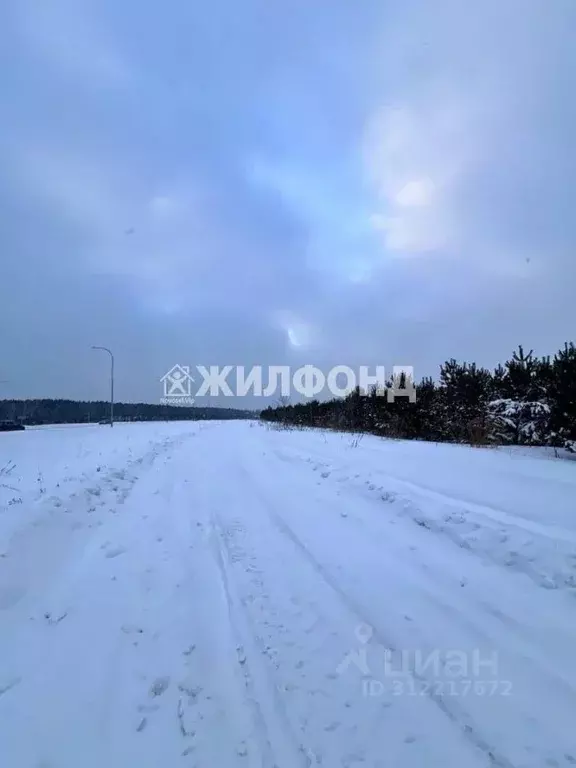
[[367, 185], [414, 156], [176, 242], [300, 333], [67, 35], [416, 193], [166, 207]]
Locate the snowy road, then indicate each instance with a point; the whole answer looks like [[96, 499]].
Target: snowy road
[[227, 595]]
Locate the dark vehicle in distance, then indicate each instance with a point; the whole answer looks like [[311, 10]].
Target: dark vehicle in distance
[[11, 426]]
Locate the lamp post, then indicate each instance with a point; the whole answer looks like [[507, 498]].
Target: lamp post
[[105, 349]]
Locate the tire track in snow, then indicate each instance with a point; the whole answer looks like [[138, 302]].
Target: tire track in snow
[[340, 724], [277, 741], [451, 710]]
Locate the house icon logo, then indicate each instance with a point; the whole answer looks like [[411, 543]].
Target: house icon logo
[[177, 383]]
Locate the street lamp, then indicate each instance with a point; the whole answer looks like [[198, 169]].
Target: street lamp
[[105, 349]]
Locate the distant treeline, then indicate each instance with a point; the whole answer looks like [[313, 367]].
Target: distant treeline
[[31, 412], [526, 401]]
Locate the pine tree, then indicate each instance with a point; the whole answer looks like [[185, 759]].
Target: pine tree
[[563, 396]]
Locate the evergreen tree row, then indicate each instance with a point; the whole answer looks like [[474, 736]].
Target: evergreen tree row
[[526, 401], [30, 412]]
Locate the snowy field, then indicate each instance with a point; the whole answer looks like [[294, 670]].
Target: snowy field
[[225, 595]]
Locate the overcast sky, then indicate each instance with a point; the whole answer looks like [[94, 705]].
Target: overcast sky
[[281, 182]]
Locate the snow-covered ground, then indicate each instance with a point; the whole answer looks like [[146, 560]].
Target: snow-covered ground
[[223, 594]]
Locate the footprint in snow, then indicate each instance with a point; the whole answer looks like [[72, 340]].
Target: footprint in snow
[[52, 619], [131, 629], [192, 691], [242, 750], [115, 552], [159, 686]]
